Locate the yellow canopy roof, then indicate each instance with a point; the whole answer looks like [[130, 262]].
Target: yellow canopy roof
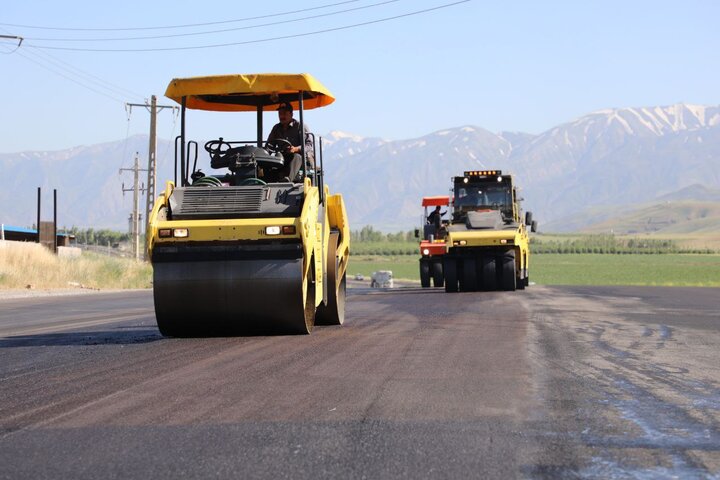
[[243, 93]]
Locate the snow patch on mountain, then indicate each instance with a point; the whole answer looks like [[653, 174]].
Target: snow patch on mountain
[[336, 135]]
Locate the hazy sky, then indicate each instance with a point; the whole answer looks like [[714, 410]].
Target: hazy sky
[[502, 65]]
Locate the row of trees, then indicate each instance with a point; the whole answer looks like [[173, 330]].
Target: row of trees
[[368, 241], [368, 234], [607, 243], [104, 237]]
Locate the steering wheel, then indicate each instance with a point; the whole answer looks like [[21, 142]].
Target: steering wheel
[[207, 181], [217, 147], [251, 181], [278, 145]]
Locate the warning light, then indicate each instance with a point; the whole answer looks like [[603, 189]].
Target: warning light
[[483, 173]]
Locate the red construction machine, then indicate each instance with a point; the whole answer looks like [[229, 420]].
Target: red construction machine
[[432, 245]]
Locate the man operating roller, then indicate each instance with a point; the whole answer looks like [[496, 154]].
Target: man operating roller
[[289, 129]]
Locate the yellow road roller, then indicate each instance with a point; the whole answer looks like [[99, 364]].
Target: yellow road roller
[[487, 242], [242, 248]]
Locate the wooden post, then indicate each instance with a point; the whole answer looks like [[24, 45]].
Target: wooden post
[[38, 217], [55, 249]]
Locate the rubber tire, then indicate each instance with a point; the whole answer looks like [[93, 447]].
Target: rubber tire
[[507, 274], [333, 312], [489, 273], [425, 273], [469, 282], [520, 281], [437, 273], [310, 311], [450, 272]]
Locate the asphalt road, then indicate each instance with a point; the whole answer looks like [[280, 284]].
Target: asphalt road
[[550, 382]]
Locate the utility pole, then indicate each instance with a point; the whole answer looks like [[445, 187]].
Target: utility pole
[[136, 203], [13, 37], [153, 108]]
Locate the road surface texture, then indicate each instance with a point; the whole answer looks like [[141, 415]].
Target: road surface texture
[[550, 382]]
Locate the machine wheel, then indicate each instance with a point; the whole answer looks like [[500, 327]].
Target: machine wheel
[[301, 322], [437, 273], [508, 271], [489, 275], [469, 276], [520, 280], [424, 273], [450, 272], [196, 297], [309, 310], [333, 312], [172, 327]]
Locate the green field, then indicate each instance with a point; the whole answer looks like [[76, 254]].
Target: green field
[[591, 269], [403, 266], [582, 269]]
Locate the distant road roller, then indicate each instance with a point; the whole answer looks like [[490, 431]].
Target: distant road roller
[[245, 250], [487, 241], [432, 243]]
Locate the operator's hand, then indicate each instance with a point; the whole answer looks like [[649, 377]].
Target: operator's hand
[[294, 149]]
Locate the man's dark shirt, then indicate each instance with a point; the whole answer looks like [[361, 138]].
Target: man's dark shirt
[[435, 216], [292, 135]]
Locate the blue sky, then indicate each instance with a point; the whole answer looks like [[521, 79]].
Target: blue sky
[[501, 65]]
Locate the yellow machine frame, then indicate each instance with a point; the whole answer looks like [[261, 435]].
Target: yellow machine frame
[[260, 92]]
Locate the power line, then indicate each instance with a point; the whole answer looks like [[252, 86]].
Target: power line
[[69, 78], [260, 17], [247, 42], [208, 32], [85, 76], [12, 37], [127, 135], [52, 63]]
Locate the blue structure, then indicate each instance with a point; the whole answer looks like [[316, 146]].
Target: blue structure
[[20, 234]]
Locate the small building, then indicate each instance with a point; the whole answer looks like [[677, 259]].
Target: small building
[[20, 234]]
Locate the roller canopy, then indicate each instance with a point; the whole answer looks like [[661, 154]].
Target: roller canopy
[[244, 93], [441, 201]]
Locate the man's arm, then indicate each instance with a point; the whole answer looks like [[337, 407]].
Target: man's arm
[[273, 133]]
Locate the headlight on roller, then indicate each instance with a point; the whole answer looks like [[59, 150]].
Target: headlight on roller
[[180, 232], [274, 230]]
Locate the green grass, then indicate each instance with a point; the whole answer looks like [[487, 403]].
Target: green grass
[[592, 269], [403, 266], [386, 248], [582, 269]]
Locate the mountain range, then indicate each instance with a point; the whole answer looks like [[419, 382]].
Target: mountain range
[[572, 176]]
